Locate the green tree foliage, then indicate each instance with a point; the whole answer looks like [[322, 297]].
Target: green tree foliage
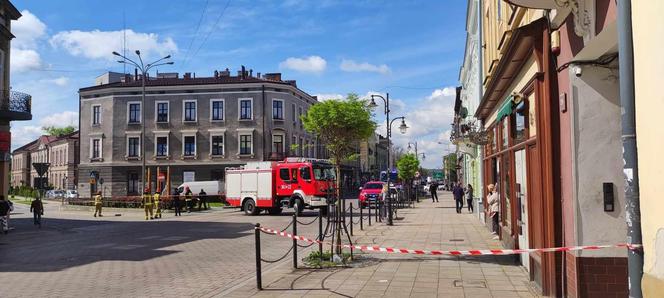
[[58, 131], [339, 124], [408, 166]]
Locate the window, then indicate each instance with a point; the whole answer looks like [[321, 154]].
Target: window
[[162, 112], [217, 110], [96, 114], [190, 111], [134, 112], [95, 150], [305, 173], [132, 146], [132, 183], [245, 144], [301, 146], [278, 109], [294, 143], [278, 143], [520, 122], [299, 114], [293, 113], [162, 146], [498, 9], [246, 109], [284, 174], [217, 145], [189, 146]]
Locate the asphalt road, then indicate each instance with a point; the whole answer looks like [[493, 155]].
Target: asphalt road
[[77, 255]]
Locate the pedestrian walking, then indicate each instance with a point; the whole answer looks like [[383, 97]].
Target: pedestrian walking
[[177, 205], [98, 201], [469, 198], [494, 209], [4, 214], [37, 209], [189, 199], [157, 204], [147, 203], [457, 192], [433, 188], [202, 200]]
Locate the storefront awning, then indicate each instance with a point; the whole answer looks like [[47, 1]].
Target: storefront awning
[[506, 109]]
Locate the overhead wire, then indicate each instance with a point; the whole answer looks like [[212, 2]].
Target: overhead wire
[[193, 38], [221, 14]]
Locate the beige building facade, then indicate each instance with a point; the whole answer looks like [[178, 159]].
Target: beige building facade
[[60, 152]]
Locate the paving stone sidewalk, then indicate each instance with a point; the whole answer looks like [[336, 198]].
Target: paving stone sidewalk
[[429, 226]]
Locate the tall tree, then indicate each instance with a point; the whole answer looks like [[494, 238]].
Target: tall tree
[[408, 166], [339, 124], [58, 131]]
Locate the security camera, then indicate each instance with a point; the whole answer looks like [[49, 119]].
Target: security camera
[[578, 71]]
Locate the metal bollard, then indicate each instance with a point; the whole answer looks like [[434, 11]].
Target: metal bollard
[[320, 231], [259, 282], [369, 206], [295, 241], [361, 219], [379, 213], [351, 219]]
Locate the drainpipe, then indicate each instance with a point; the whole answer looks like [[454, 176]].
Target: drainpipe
[[630, 155], [263, 119], [480, 77]]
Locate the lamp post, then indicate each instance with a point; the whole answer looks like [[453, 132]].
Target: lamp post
[[144, 68], [402, 128], [417, 155]]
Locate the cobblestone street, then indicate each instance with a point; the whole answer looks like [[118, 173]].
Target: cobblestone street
[[77, 255]]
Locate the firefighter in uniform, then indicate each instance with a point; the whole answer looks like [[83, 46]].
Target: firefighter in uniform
[[98, 203], [157, 206], [147, 203]]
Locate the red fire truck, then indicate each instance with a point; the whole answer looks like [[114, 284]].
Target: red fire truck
[[293, 183]]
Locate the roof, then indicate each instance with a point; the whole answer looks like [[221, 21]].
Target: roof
[[158, 82]]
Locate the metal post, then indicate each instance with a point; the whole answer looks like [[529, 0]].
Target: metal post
[[351, 219], [295, 241], [257, 233], [143, 129], [630, 154], [361, 219], [369, 207], [379, 213], [320, 231]]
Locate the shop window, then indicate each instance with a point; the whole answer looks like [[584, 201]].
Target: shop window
[[505, 133], [507, 191], [520, 122]]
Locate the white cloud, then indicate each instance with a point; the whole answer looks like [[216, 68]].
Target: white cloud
[[314, 64], [98, 44], [23, 134], [29, 30], [352, 66], [24, 60], [328, 96], [61, 81], [62, 119]]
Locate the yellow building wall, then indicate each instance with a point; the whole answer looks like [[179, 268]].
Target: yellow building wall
[[498, 17], [648, 70]]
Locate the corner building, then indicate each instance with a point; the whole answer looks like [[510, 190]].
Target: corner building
[[194, 127]]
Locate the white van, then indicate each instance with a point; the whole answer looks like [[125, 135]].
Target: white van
[[212, 188]]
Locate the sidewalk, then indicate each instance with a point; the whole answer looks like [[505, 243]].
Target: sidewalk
[[429, 226]]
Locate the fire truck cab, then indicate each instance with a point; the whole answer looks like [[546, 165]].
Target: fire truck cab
[[293, 183]]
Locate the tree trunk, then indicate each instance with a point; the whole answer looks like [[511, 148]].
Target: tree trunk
[[338, 250]]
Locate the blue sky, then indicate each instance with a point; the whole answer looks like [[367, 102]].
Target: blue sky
[[411, 49]]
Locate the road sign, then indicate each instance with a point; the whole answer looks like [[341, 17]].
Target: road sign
[[161, 177], [438, 175], [41, 167]]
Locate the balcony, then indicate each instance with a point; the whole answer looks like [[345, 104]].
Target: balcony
[[15, 106]]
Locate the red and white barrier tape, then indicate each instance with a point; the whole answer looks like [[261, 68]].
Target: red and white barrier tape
[[476, 252]]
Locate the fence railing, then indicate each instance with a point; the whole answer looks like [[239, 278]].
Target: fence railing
[[14, 101]]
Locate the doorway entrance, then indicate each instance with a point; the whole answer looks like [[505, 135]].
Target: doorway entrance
[[521, 189]]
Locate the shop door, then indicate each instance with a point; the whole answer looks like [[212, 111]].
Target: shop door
[[521, 176], [535, 234]]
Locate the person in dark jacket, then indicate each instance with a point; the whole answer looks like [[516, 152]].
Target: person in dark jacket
[[433, 188], [37, 209], [189, 199], [469, 197], [177, 204], [457, 191], [202, 200], [4, 214]]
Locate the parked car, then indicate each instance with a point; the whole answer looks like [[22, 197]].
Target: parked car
[[371, 193], [55, 194], [71, 194]]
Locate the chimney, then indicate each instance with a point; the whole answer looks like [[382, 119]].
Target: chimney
[[258, 75], [291, 82], [244, 73], [187, 75], [136, 73], [225, 73], [251, 73], [127, 78], [216, 74]]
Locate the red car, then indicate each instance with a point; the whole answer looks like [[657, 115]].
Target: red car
[[371, 193]]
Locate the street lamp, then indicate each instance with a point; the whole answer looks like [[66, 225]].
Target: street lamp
[[402, 128], [417, 155], [144, 68]]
